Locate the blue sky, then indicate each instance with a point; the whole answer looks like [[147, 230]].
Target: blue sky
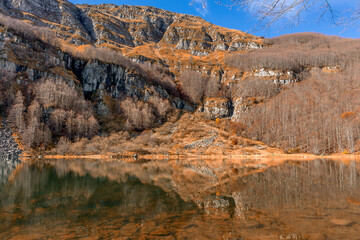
[[245, 21]]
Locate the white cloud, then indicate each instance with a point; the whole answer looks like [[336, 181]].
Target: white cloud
[[200, 6]]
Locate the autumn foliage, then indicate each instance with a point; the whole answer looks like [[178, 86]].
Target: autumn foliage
[[294, 52], [54, 109], [318, 115]]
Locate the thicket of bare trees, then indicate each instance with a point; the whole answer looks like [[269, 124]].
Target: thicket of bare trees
[[56, 109], [319, 115], [297, 51], [197, 86], [16, 113], [7, 90], [143, 115], [256, 88]]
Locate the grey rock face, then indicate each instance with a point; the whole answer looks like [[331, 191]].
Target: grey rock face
[[217, 108], [94, 77], [124, 25], [113, 79], [55, 12], [236, 46], [199, 53], [203, 143], [240, 109]]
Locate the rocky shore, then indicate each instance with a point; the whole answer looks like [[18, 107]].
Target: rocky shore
[[9, 154]]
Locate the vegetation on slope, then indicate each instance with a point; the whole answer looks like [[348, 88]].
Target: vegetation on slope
[[295, 52], [320, 114]]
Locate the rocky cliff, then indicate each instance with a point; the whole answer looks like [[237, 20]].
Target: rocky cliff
[[35, 60], [144, 33], [127, 26]]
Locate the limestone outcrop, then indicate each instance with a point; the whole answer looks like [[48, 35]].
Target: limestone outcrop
[[217, 108]]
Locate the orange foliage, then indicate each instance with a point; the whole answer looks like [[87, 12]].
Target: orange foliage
[[347, 115], [237, 128]]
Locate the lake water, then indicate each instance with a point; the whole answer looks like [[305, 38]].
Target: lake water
[[184, 199]]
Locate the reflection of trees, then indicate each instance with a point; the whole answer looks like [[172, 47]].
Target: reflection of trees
[[307, 196], [39, 194], [320, 182], [293, 180], [115, 193], [298, 181], [6, 168]]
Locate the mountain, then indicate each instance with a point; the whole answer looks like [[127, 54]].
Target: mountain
[[144, 33], [126, 61], [70, 72], [127, 26]]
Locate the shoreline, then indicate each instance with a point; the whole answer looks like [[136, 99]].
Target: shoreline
[[139, 157]]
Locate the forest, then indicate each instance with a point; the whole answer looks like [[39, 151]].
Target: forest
[[318, 114]]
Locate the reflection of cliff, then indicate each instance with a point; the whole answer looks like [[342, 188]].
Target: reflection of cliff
[[319, 179], [308, 196], [38, 195], [80, 198], [9, 155]]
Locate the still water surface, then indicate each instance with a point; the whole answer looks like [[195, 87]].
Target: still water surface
[[222, 199]]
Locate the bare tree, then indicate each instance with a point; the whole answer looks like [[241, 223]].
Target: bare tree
[[213, 87], [31, 134], [269, 12], [162, 106], [139, 115], [92, 127], [193, 85], [16, 113], [57, 120]]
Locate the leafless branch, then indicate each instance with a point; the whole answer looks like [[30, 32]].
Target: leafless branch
[[270, 12]]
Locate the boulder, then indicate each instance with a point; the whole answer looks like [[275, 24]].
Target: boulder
[[217, 108]]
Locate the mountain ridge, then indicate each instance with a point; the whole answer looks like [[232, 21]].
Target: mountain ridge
[[80, 17], [146, 34]]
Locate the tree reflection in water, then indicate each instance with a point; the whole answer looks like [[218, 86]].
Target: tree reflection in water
[[185, 199]]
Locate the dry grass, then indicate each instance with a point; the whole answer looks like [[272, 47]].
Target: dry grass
[[173, 137]]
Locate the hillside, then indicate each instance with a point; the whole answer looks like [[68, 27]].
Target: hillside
[[144, 33], [138, 77]]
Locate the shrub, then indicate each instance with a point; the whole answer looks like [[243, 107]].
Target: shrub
[[237, 128], [63, 146], [255, 87]]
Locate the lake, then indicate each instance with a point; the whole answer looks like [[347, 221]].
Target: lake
[[180, 199]]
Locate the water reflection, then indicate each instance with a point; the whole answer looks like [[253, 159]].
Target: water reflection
[[184, 199], [8, 164], [9, 154]]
